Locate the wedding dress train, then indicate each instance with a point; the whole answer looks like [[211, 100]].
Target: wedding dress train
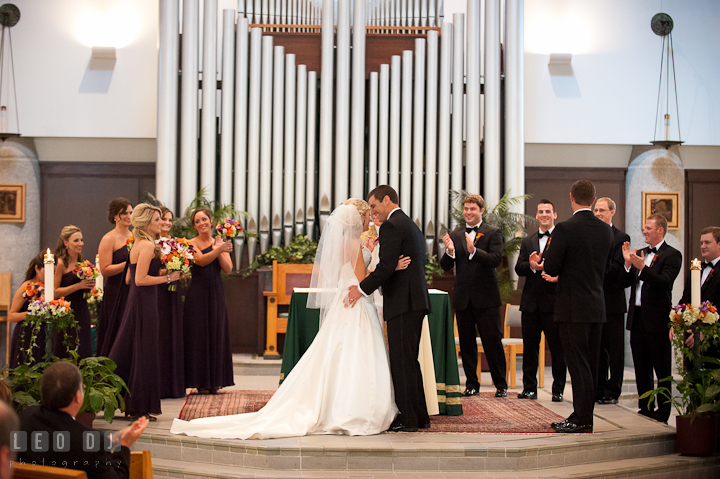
[[341, 385]]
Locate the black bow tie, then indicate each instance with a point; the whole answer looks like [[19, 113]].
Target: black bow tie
[[475, 229], [706, 264], [652, 250], [547, 233]]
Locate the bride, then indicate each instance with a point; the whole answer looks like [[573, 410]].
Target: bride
[[342, 384]]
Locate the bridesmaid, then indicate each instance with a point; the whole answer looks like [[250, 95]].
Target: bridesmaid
[[170, 311], [18, 310], [68, 253], [114, 255], [136, 347], [208, 358]]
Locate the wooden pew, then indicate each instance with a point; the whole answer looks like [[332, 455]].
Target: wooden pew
[[285, 278], [140, 468]]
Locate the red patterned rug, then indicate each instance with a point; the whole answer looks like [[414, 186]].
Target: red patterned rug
[[481, 414]]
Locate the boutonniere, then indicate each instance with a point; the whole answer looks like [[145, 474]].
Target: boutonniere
[[477, 238], [712, 272], [654, 258]]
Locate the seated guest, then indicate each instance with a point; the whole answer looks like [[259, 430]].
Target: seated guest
[[62, 394], [8, 423]]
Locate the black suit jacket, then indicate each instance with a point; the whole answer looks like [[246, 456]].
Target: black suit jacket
[[616, 277], [538, 295], [579, 254], [405, 290], [656, 296], [710, 289], [476, 284], [97, 465]]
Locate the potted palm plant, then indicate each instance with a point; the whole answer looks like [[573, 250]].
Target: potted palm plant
[[697, 391]]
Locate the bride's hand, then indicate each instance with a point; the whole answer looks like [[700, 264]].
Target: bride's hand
[[403, 263]]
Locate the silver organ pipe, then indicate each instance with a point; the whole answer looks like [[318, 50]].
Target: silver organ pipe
[[418, 133], [208, 138], [226, 108], [266, 141], [241, 114], [406, 129], [310, 200], [458, 87], [326, 111], [289, 173], [373, 132], [357, 125], [394, 167], [342, 103], [253, 176], [278, 138], [431, 137], [189, 103], [443, 156], [491, 176], [384, 125], [472, 144], [301, 152], [166, 167]]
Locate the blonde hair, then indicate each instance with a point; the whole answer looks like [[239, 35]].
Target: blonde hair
[[61, 251], [360, 205], [142, 215]]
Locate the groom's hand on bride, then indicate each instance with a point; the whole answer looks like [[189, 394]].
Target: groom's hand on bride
[[353, 295], [403, 263]]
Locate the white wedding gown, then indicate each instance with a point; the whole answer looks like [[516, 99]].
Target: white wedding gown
[[341, 385]]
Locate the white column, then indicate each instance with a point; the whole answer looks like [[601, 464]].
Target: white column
[[472, 88], [514, 101], [226, 109], [357, 131], [395, 76], [289, 173], [241, 113], [166, 164], [418, 136], [443, 168], [491, 175], [327, 116], [189, 104], [342, 102], [301, 139], [208, 133], [384, 125], [373, 133]]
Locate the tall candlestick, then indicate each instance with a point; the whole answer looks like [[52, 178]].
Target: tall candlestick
[[695, 272], [49, 262], [99, 280]]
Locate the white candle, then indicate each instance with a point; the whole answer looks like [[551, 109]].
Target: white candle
[[99, 279], [49, 262], [695, 272]]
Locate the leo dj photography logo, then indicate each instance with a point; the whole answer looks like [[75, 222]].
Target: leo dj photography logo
[[59, 441]]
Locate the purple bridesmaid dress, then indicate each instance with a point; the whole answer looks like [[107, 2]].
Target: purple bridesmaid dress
[[82, 319], [115, 296], [172, 367]]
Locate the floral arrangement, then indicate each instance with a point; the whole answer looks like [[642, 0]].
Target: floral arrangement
[[130, 242], [56, 316], [176, 254], [86, 270], [229, 228], [699, 386], [96, 296], [34, 291]]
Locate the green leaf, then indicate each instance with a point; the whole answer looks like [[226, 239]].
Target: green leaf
[[712, 391]]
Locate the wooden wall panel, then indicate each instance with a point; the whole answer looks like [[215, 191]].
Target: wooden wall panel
[[78, 193], [702, 188]]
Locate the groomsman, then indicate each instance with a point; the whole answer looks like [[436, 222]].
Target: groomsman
[[538, 304], [710, 275], [653, 270], [475, 252], [612, 347], [579, 254]]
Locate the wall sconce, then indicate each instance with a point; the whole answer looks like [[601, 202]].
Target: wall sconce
[[560, 64], [103, 58]]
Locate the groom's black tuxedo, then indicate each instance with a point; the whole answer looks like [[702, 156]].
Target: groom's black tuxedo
[[406, 302], [579, 254]]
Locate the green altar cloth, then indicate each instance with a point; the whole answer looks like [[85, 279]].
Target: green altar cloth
[[303, 325]]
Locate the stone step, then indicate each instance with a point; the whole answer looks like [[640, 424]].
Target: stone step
[[244, 365], [430, 452], [663, 467]]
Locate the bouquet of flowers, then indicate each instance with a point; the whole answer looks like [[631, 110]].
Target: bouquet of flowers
[[96, 296], [57, 316], [686, 316], [176, 254], [34, 291], [229, 228], [130, 242], [86, 270]]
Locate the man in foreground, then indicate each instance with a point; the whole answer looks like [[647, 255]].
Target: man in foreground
[[579, 254]]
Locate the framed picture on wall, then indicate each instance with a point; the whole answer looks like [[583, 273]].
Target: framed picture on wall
[[12, 202], [665, 203]]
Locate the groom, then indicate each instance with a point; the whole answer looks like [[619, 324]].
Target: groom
[[406, 302]]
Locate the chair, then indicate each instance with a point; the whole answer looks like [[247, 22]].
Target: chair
[[140, 468], [5, 300], [513, 346], [286, 277]]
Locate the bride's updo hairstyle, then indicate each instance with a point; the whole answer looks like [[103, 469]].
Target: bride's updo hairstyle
[[362, 207], [142, 215]]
